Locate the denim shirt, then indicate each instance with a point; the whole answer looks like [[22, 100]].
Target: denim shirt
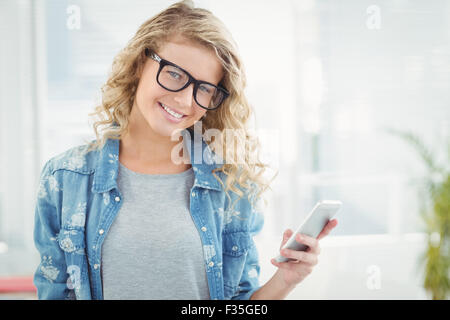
[[78, 200]]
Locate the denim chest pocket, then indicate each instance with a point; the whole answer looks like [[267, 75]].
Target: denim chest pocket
[[235, 248], [71, 240]]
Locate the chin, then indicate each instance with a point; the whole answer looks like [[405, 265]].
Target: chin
[[166, 130]]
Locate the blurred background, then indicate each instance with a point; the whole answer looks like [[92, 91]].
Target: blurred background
[[327, 80]]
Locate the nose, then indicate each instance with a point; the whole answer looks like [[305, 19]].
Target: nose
[[185, 97]]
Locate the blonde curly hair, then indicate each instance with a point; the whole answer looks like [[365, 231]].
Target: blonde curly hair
[[201, 26]]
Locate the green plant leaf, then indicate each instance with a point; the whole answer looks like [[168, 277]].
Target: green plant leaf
[[435, 213]]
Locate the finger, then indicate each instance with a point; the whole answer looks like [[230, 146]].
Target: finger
[[327, 229], [312, 243], [303, 256], [275, 263], [284, 265], [286, 235]]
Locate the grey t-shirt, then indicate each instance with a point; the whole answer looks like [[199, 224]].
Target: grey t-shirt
[[153, 249]]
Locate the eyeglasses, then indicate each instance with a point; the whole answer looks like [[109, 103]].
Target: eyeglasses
[[174, 78]]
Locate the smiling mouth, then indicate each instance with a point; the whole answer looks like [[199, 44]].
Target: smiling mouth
[[171, 112]]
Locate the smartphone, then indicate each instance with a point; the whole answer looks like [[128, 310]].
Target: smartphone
[[316, 220]]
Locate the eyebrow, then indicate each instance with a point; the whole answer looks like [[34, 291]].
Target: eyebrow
[[175, 65]]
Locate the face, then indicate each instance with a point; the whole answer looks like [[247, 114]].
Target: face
[[147, 110]]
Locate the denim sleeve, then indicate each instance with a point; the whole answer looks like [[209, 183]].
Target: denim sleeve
[[50, 277], [249, 282]]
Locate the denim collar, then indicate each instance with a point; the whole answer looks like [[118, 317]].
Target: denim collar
[[204, 161]]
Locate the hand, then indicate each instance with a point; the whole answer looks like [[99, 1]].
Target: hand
[[293, 272]]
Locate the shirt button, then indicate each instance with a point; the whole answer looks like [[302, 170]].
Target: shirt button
[[193, 193], [101, 231], [235, 248], [96, 266], [117, 199], [203, 229], [211, 264]]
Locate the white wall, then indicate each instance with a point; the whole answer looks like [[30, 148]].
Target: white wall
[[317, 78], [357, 267]]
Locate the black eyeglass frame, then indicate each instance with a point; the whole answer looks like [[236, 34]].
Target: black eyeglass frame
[[162, 62]]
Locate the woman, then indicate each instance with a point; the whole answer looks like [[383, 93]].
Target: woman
[[137, 214]]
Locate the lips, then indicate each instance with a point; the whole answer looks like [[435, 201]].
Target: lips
[[175, 110], [171, 118]]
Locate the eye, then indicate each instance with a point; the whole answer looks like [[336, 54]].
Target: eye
[[205, 89], [174, 75]]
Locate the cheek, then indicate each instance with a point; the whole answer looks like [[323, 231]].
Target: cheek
[[148, 89], [147, 95], [199, 113]]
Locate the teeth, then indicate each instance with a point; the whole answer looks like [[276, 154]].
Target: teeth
[[176, 115]]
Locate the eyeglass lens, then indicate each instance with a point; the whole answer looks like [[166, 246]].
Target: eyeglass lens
[[173, 78]]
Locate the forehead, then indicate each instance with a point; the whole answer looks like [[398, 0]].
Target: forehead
[[200, 61]]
